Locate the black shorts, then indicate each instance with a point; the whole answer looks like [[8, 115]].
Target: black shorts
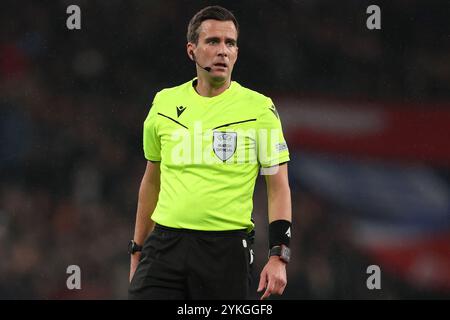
[[187, 264]]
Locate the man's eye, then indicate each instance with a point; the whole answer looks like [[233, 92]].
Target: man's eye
[[231, 44], [212, 41]]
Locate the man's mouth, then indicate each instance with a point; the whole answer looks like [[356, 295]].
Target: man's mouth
[[220, 65]]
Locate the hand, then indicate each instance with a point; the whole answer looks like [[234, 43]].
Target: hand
[[134, 263], [273, 277]]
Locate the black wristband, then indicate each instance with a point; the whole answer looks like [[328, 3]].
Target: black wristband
[[279, 233]]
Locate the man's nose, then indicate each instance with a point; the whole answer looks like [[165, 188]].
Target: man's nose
[[222, 50]]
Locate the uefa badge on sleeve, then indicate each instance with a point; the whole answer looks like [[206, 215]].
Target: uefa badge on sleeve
[[224, 144]]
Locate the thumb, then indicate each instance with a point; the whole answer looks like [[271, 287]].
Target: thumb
[[262, 281]]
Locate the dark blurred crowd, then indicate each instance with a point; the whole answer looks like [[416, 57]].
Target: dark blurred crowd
[[72, 104]]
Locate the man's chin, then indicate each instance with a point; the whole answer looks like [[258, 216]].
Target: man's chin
[[219, 78]]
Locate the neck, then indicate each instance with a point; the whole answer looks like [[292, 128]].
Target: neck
[[207, 88]]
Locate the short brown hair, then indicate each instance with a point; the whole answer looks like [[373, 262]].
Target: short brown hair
[[212, 12]]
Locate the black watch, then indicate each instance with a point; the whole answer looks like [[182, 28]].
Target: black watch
[[133, 247], [282, 251]]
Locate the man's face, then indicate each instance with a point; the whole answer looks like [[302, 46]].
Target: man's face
[[216, 48]]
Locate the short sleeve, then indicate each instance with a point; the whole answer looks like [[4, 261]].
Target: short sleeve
[[151, 139], [272, 147]]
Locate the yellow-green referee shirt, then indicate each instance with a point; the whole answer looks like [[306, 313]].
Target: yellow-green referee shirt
[[210, 151]]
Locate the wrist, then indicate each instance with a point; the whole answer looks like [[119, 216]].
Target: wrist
[[282, 252], [136, 256], [134, 247], [279, 240], [277, 259], [279, 233]]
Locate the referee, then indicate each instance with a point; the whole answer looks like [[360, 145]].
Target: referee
[[205, 142]]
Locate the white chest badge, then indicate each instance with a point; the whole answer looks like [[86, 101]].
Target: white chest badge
[[224, 144]]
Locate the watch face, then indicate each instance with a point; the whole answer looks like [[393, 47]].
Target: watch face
[[285, 254]]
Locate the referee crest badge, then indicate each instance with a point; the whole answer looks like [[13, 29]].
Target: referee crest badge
[[224, 144]]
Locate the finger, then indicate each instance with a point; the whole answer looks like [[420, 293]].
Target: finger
[[268, 291], [279, 287], [281, 290], [283, 287], [131, 276], [262, 281]]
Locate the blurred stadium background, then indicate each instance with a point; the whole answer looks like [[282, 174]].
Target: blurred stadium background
[[366, 115]]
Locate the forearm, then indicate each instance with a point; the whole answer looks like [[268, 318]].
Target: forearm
[[148, 197], [273, 277], [279, 202]]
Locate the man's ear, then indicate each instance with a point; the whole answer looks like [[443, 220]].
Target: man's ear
[[190, 47]]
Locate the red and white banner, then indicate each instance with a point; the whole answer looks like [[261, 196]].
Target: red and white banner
[[404, 132]]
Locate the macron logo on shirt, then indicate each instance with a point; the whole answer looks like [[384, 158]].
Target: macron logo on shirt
[[180, 110]]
